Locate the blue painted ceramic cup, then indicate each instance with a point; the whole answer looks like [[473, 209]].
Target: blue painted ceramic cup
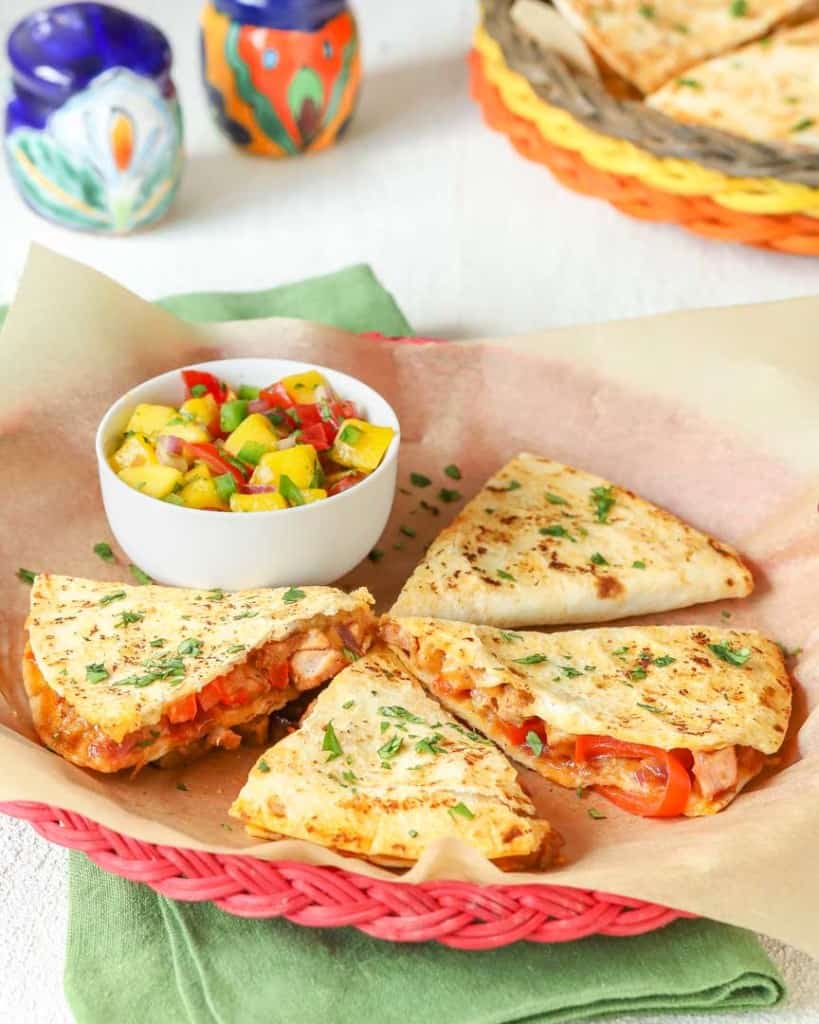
[[93, 132]]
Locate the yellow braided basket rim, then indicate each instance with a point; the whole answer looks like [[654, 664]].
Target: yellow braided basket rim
[[617, 156]]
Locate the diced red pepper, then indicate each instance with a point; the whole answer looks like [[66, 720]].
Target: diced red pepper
[[182, 710], [212, 384], [276, 396], [344, 483], [516, 734], [217, 463], [210, 696], [279, 675], [319, 435]]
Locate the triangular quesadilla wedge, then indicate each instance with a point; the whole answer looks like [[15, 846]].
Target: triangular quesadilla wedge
[[379, 770], [768, 91], [119, 675], [663, 720], [546, 544], [650, 43]]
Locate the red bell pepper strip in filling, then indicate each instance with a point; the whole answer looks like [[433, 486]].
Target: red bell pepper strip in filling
[[200, 379], [667, 794]]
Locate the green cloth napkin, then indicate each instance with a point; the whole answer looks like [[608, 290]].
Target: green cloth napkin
[[134, 957]]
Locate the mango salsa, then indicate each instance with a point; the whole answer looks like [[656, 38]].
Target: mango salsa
[[155, 481], [361, 445], [249, 449]]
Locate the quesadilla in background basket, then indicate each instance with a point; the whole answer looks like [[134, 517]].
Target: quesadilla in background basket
[[650, 43], [118, 675], [768, 91], [378, 769], [662, 720], [546, 544]]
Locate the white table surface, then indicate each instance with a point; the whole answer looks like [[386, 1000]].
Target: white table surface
[[470, 238]]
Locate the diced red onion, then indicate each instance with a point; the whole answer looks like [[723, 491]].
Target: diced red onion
[[349, 639], [258, 405], [169, 452], [173, 445], [258, 489], [322, 394], [287, 442]]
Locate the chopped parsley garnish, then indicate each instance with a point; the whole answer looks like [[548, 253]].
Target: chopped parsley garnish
[[190, 646], [509, 637], [115, 595], [103, 551], [390, 748], [235, 648], [408, 531], [534, 743], [555, 499], [419, 480], [26, 575], [96, 673], [348, 704], [738, 8], [288, 490], [350, 654], [263, 766], [330, 743], [556, 530], [430, 745], [504, 575], [396, 711], [198, 391], [805, 123], [594, 813], [452, 471], [637, 674], [733, 655], [126, 618], [139, 575], [665, 660], [350, 434], [638, 565], [376, 555], [531, 659], [447, 496], [292, 595], [598, 559], [649, 707], [462, 810], [602, 498], [251, 452]]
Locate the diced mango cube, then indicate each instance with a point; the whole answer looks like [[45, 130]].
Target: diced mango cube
[[266, 502], [155, 481], [256, 429], [201, 493], [150, 419], [134, 451], [311, 494], [204, 410], [361, 445], [299, 463], [188, 430], [199, 471], [302, 386]]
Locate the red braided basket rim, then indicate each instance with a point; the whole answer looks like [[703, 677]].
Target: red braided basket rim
[[457, 914]]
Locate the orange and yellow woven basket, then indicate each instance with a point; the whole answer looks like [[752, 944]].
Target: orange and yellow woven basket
[[763, 212]]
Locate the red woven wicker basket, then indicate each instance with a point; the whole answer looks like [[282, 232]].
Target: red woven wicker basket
[[457, 914]]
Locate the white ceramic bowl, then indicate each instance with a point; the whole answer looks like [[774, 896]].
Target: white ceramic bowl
[[311, 544]]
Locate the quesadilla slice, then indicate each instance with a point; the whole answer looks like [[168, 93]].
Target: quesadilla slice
[[378, 769], [544, 543], [650, 43], [118, 675], [662, 720], [768, 91]]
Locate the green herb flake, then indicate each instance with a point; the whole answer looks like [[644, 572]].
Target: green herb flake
[[452, 471], [262, 766], [636, 674], [419, 480], [461, 810], [159, 642], [115, 595], [350, 654], [190, 646], [595, 814], [570, 672], [96, 673], [413, 834], [598, 559], [638, 565], [665, 660], [139, 575], [620, 652], [738, 8], [429, 745], [103, 550], [292, 595], [447, 496], [348, 704], [198, 391], [649, 707], [602, 498], [26, 575], [509, 637], [555, 499], [556, 530], [689, 83], [408, 531], [504, 575], [330, 743], [725, 614], [513, 485], [384, 727], [251, 452], [803, 125], [531, 659], [391, 748], [235, 648], [350, 434], [216, 595], [534, 743], [647, 10], [396, 711], [733, 655], [245, 615], [376, 555], [126, 618]]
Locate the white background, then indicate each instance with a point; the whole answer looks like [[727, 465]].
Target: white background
[[470, 238]]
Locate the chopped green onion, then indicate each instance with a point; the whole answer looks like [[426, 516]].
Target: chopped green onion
[[664, 661], [531, 659], [391, 748], [555, 499], [96, 673], [534, 743], [556, 530], [126, 618], [115, 595], [504, 575], [190, 646], [288, 490], [225, 486], [462, 810], [103, 551], [235, 648], [292, 595], [330, 743], [733, 655]]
